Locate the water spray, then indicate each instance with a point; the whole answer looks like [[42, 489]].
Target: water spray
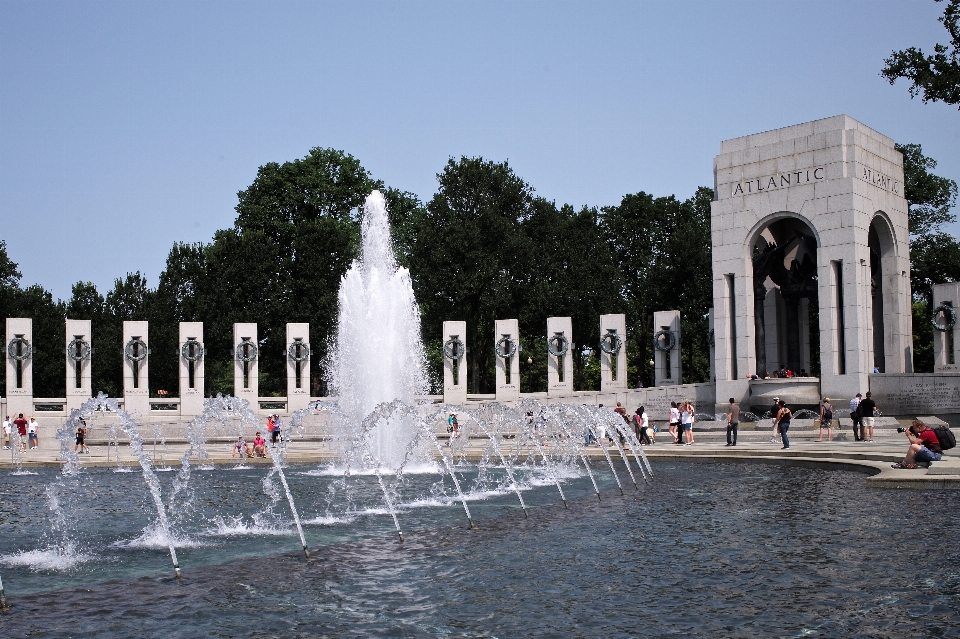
[[626, 460], [583, 457], [506, 466], [293, 507], [453, 476]]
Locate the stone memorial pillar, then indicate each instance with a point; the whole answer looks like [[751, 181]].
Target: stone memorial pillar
[[559, 356], [713, 351], [136, 378], [246, 353], [298, 366], [613, 353], [18, 353], [507, 346], [454, 362], [666, 348], [946, 330], [191, 359], [79, 352]]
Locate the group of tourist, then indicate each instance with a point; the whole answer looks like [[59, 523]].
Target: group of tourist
[[781, 373], [863, 412], [27, 432], [681, 424], [257, 449]]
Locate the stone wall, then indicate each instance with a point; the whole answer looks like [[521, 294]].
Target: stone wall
[[917, 394]]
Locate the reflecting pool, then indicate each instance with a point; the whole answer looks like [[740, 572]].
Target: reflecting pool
[[706, 549]]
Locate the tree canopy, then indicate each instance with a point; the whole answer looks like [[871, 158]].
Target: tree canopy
[[484, 247], [935, 77], [930, 197]]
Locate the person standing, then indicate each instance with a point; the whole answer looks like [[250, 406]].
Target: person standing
[[277, 430], [21, 425], [686, 420], [675, 422], [733, 421], [856, 418], [32, 429], [589, 437], [774, 414], [81, 434], [622, 412], [784, 415], [642, 423], [453, 426], [826, 419], [868, 413], [7, 429]]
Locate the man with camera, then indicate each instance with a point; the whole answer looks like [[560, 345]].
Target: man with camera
[[924, 445]]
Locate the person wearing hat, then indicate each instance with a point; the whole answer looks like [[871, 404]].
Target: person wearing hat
[[784, 415], [773, 413], [826, 419], [453, 427]]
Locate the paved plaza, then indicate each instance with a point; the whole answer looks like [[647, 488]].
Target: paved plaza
[[754, 446]]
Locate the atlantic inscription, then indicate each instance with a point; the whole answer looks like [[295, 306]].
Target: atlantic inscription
[[878, 179], [779, 181]]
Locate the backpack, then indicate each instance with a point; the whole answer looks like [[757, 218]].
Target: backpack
[[944, 436]]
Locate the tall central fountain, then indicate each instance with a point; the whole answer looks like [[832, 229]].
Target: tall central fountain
[[378, 353]]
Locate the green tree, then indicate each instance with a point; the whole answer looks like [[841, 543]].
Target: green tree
[[325, 184], [662, 249], [297, 229], [128, 300], [934, 255], [930, 197], [468, 254], [936, 78], [9, 275], [49, 379], [568, 270]]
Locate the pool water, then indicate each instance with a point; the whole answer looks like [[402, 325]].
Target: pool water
[[705, 550]]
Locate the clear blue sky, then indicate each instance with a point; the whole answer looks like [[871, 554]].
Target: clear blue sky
[[128, 126]]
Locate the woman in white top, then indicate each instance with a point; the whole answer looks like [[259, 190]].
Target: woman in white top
[[32, 429], [675, 422], [686, 420]]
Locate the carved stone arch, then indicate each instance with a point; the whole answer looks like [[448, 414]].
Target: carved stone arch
[[884, 286], [758, 228], [782, 249]]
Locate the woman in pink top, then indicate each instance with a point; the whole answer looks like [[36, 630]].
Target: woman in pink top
[[259, 445]]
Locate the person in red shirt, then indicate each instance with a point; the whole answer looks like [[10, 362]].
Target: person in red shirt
[[924, 446], [21, 425]]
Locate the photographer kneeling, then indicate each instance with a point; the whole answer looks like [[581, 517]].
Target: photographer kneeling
[[924, 445]]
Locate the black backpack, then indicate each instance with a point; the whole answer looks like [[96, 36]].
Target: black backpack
[[944, 436]]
